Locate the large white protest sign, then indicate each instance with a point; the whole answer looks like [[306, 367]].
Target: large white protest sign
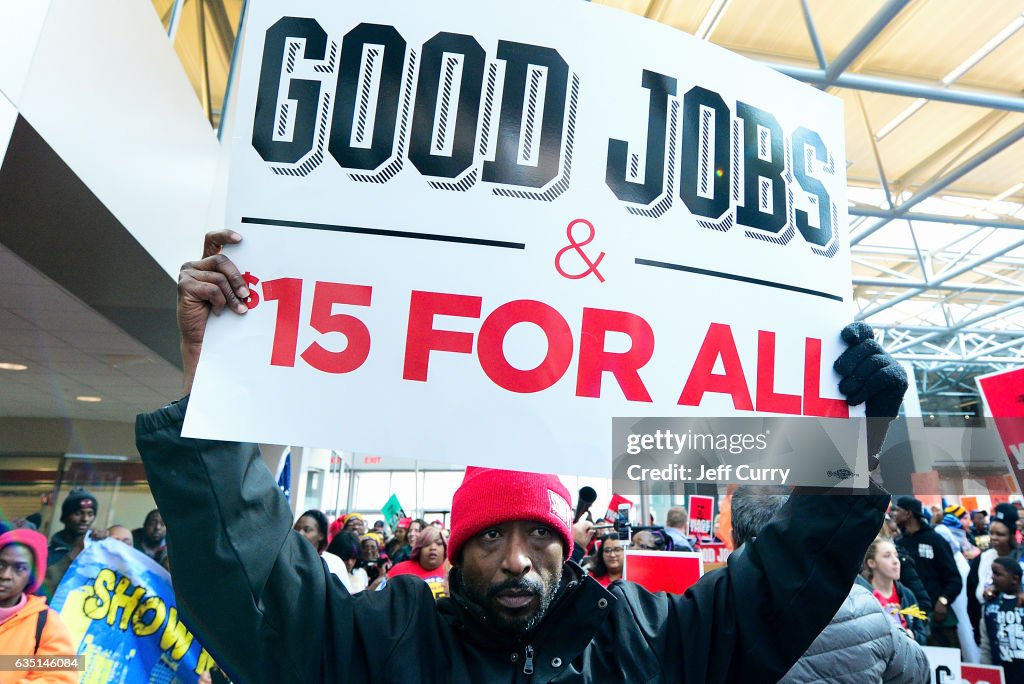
[[476, 232]]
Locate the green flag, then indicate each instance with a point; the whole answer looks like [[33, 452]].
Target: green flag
[[392, 511]]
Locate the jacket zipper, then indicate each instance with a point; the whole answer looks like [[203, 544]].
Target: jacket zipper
[[528, 663]]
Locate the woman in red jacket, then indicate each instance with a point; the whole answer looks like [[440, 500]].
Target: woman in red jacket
[[28, 628]]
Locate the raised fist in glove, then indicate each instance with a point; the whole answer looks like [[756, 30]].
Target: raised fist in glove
[[870, 376]]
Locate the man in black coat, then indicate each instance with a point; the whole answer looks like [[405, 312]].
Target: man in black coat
[[263, 603], [935, 565]]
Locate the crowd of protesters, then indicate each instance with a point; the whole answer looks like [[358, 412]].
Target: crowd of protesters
[[820, 587], [931, 577], [945, 577]]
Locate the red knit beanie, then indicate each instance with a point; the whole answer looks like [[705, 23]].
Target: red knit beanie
[[488, 496], [36, 544]]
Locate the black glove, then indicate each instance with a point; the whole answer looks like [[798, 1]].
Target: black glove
[[870, 375]]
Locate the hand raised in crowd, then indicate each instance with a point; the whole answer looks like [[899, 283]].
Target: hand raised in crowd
[[873, 378], [93, 535], [378, 580], [583, 533], [209, 285], [870, 375]]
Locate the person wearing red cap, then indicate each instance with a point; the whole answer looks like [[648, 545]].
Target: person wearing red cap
[[28, 628], [519, 610]]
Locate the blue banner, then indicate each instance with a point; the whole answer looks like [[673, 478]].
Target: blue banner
[[119, 607]]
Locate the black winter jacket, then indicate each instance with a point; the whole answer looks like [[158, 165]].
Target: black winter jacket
[[262, 602], [934, 562]]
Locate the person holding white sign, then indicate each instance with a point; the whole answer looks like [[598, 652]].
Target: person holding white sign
[[519, 609]]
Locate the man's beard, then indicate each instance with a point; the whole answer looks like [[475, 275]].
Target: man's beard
[[517, 625]]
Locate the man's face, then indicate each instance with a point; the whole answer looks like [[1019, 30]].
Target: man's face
[[979, 521], [355, 525], [154, 528], [80, 521], [121, 534], [16, 570], [644, 541], [901, 516], [512, 571]]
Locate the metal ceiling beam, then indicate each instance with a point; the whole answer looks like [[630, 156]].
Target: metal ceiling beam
[[950, 287], [938, 184], [908, 252], [1015, 304], [936, 218], [892, 86], [812, 33], [175, 21], [943, 277], [988, 350], [232, 70], [860, 42], [985, 360], [894, 327]]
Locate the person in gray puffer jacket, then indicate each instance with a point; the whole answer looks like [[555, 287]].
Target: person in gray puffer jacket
[[861, 644]]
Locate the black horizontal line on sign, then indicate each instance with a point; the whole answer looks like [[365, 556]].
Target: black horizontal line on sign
[[742, 279], [384, 233]]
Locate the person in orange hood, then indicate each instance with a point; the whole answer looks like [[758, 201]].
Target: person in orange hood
[[28, 627]]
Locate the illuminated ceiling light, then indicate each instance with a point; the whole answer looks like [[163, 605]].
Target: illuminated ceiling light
[[984, 51], [711, 19], [89, 399], [954, 75], [1006, 193], [13, 366], [900, 118]]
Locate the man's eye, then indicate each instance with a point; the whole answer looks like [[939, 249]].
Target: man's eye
[[542, 531], [491, 534]]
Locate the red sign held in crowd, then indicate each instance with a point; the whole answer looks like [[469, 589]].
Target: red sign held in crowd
[[702, 516], [669, 571]]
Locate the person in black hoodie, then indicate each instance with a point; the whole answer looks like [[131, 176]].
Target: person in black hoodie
[[936, 567], [520, 610]]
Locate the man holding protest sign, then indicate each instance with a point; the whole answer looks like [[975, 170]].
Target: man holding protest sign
[[517, 608]]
